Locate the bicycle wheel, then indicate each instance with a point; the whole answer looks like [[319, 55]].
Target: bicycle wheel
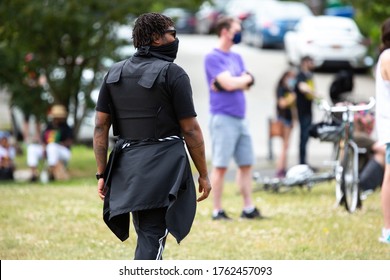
[[349, 181], [338, 171]]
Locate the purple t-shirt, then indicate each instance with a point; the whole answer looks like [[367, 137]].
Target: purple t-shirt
[[230, 103]]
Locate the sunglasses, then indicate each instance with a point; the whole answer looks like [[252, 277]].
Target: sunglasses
[[172, 31]]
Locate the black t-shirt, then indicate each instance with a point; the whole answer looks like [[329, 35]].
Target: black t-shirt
[[304, 103], [179, 87], [57, 134], [285, 113]]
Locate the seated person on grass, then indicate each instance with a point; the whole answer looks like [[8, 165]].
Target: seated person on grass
[[372, 162], [54, 146], [7, 157]]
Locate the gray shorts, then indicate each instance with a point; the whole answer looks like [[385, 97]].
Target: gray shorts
[[230, 138], [388, 153]]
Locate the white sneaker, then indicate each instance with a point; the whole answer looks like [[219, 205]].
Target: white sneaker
[[365, 194], [385, 238]]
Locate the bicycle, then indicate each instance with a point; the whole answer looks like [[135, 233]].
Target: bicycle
[[344, 160], [347, 152]]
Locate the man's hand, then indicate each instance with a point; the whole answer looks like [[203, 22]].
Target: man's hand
[[204, 188], [216, 86], [251, 83], [101, 189]]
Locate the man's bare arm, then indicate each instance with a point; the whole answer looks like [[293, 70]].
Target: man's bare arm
[[100, 147], [100, 139], [230, 83], [195, 144]]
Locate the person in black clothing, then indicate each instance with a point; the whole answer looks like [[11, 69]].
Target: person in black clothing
[[148, 100], [305, 92], [341, 86], [285, 109]]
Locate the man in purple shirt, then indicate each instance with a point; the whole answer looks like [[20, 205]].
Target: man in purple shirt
[[227, 79]]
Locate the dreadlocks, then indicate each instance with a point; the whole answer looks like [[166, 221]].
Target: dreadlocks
[[148, 25]]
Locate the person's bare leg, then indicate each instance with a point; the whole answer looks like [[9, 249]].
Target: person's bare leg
[[282, 162], [385, 197], [244, 182], [25, 132], [217, 182], [380, 158], [34, 172], [37, 129]]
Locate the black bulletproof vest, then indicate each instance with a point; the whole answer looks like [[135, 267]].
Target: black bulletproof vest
[[141, 105]]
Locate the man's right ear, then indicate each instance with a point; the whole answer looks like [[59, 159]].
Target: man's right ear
[[224, 31], [156, 39]]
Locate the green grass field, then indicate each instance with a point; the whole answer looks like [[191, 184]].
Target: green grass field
[[63, 221]]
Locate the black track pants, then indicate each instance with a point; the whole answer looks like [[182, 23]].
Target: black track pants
[[152, 233]]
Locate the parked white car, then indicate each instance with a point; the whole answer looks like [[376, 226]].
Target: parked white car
[[330, 40]]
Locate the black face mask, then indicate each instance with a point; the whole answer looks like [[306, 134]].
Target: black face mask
[[167, 52], [237, 38]]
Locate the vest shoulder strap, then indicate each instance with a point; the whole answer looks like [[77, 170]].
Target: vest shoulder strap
[[149, 76], [115, 72]]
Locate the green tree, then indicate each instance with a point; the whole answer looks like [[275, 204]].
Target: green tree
[[47, 48], [369, 17]]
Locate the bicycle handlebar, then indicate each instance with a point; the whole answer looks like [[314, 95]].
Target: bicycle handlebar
[[345, 108]]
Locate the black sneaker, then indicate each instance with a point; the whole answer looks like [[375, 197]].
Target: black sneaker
[[221, 216], [255, 214], [34, 179], [51, 177]]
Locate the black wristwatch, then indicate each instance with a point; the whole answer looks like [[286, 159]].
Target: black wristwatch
[[99, 176]]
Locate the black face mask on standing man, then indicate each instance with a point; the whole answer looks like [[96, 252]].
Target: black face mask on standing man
[[167, 52]]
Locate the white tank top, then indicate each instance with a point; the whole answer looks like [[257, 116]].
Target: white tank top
[[382, 88]]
